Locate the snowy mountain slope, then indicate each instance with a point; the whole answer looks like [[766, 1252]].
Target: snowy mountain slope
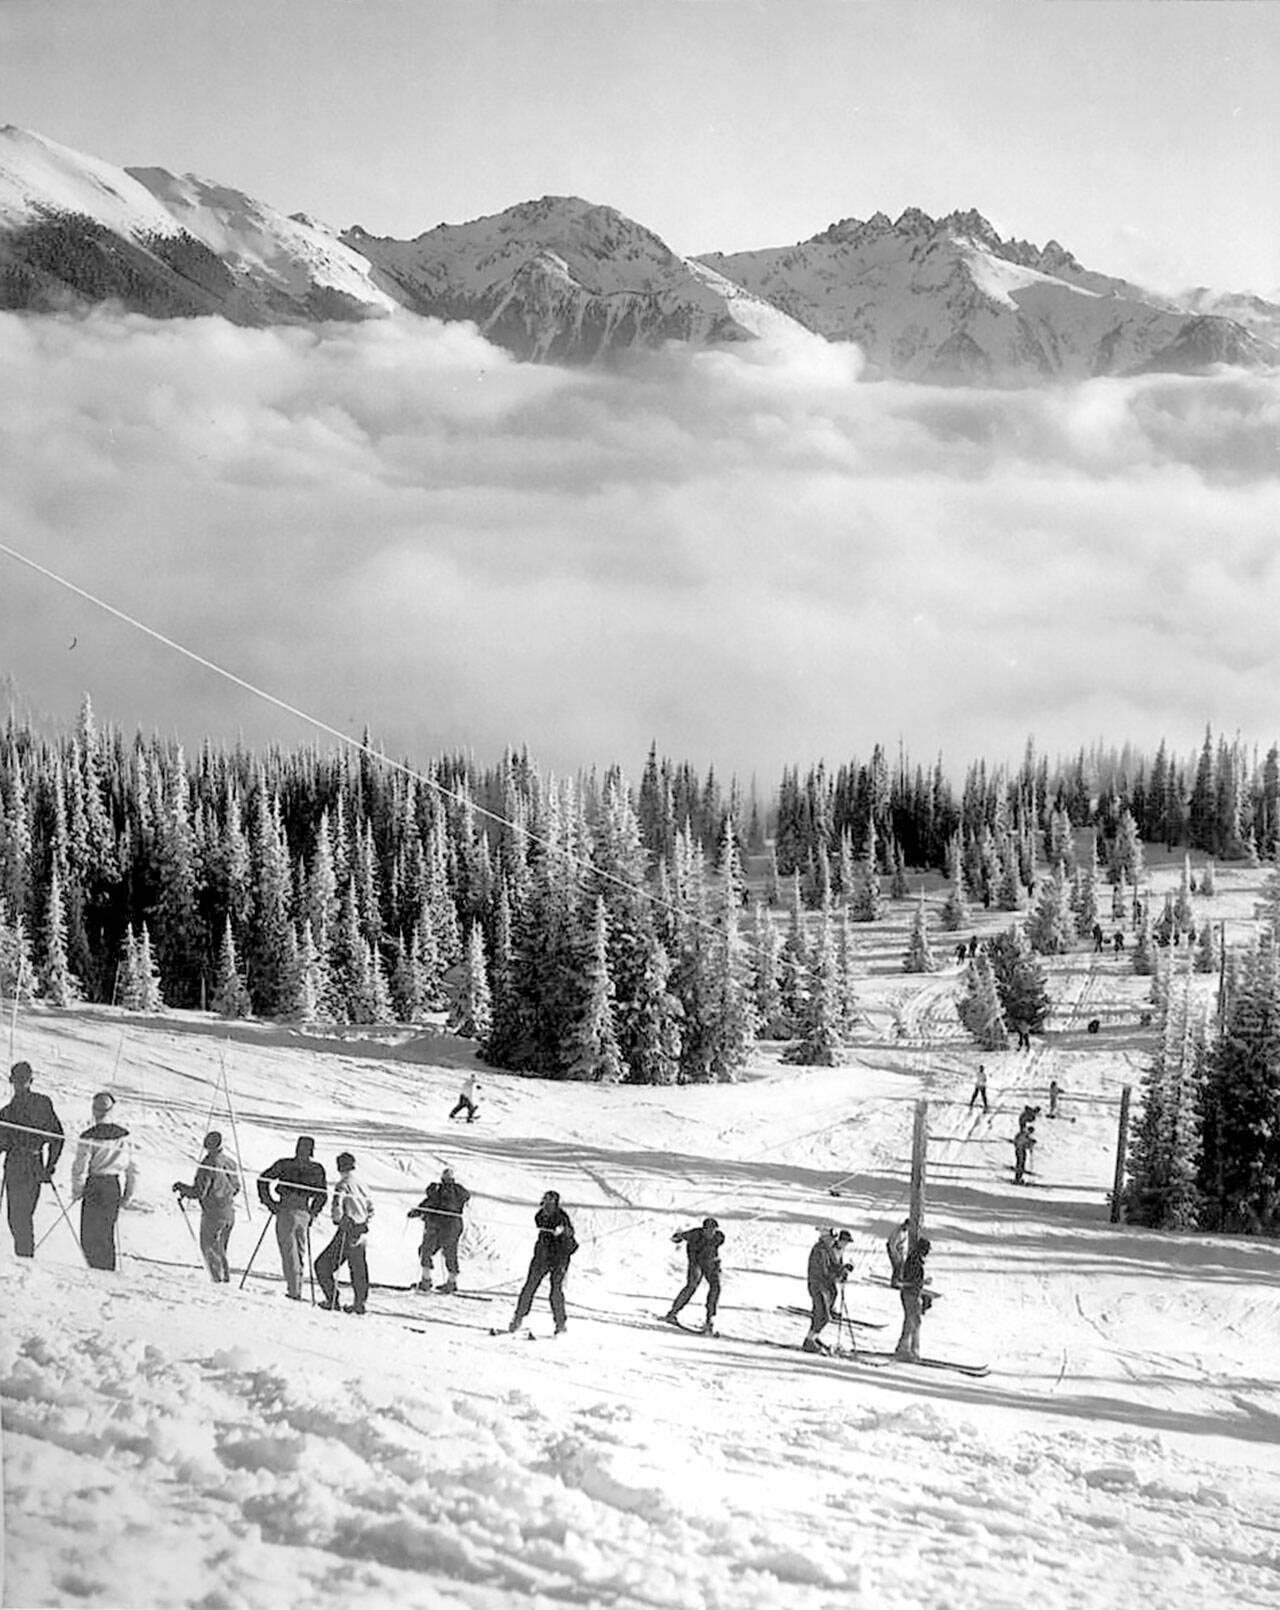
[[563, 280], [948, 300], [171, 1443], [75, 230]]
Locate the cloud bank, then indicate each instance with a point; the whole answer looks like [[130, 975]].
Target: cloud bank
[[745, 554]]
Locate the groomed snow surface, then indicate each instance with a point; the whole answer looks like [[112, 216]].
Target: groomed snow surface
[[168, 1442]]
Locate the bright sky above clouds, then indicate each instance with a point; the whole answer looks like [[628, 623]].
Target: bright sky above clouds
[[1144, 136]]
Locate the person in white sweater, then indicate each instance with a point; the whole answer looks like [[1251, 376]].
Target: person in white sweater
[[352, 1210], [104, 1177]]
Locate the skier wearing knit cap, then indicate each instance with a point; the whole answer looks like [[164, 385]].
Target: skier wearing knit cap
[[104, 1177], [215, 1187], [702, 1246]]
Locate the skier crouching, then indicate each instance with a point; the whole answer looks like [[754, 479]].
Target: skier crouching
[[702, 1245], [826, 1271]]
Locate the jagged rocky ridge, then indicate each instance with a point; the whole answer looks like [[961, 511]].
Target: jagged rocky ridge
[[943, 300]]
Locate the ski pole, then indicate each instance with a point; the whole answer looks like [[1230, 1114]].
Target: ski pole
[[311, 1268], [57, 1196], [182, 1208], [254, 1253]]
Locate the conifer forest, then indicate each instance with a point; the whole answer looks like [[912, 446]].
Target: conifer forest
[[582, 928]]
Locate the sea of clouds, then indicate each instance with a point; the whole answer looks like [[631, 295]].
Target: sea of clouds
[[745, 554]]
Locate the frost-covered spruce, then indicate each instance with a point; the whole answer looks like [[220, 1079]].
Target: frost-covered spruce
[[230, 996], [979, 1006], [1051, 928], [822, 1029], [919, 957]]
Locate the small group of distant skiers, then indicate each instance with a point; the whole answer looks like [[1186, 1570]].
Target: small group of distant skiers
[[1025, 1139]]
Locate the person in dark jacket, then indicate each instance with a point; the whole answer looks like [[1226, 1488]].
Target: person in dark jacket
[[702, 1247], [555, 1245], [826, 1271], [302, 1190], [216, 1186], [916, 1299], [31, 1139], [441, 1212], [104, 1177]]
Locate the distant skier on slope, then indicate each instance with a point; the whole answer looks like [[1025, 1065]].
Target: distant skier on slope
[[104, 1177], [896, 1246], [825, 1272], [916, 1299], [702, 1246], [31, 1139], [555, 1245], [1023, 1143], [441, 1212], [215, 1187], [980, 1088], [351, 1210], [466, 1101]]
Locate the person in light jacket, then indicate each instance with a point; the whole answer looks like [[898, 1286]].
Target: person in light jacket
[[104, 1177], [352, 1210], [215, 1187]]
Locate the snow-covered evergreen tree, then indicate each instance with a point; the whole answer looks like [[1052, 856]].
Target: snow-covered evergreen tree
[[653, 1020], [821, 1030], [1164, 1152], [1144, 943], [471, 1016], [230, 996], [1020, 980], [1051, 928], [59, 984], [899, 888], [17, 974], [1126, 851], [955, 908], [919, 956], [766, 969], [979, 1006], [149, 974], [867, 903], [1206, 953]]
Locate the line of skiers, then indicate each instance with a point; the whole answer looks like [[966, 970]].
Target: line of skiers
[[295, 1192]]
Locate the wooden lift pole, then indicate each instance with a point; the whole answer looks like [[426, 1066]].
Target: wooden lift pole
[[919, 1146], [1122, 1149]]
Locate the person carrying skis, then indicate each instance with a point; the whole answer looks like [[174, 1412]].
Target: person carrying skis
[[702, 1247], [916, 1299], [31, 1139], [215, 1187], [351, 1210], [555, 1245], [896, 1246], [104, 1177], [302, 1189], [980, 1088], [441, 1212], [1023, 1142], [466, 1101], [826, 1271]]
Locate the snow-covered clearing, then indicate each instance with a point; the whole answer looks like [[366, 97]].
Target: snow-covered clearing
[[168, 1442]]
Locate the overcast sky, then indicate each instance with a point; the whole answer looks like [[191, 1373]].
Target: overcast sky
[[745, 555], [1143, 136]]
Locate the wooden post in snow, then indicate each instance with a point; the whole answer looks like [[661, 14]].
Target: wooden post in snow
[[919, 1146], [1122, 1150]]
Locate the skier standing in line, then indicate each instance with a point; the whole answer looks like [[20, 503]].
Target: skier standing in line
[[1055, 1091], [702, 1246], [555, 1245], [104, 1177], [466, 1101], [825, 1272], [215, 1187], [1023, 1142], [441, 1212], [302, 1189], [896, 1246], [916, 1299], [351, 1210], [32, 1141], [980, 1088]]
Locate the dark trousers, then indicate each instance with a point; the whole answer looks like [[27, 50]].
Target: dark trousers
[[980, 1090], [99, 1210], [912, 1313], [22, 1191], [696, 1276], [824, 1303], [539, 1269], [464, 1104], [347, 1248], [215, 1232], [440, 1235]]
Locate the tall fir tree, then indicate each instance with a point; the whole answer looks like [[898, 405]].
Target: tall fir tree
[[59, 984], [230, 995], [821, 1030], [919, 956], [1051, 928], [979, 1006], [593, 1053]]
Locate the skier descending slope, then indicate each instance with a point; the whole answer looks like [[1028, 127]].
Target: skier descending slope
[[555, 1245], [702, 1245]]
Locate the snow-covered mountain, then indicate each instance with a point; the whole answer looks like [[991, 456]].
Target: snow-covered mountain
[[74, 230], [947, 300], [564, 280]]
